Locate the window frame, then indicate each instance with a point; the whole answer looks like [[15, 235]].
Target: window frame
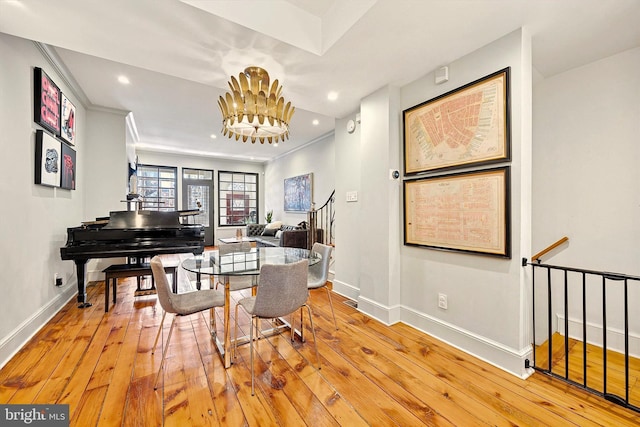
[[151, 203], [243, 197]]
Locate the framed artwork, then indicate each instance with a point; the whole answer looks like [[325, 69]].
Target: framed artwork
[[467, 212], [298, 193], [68, 168], [46, 102], [68, 120], [48, 158], [469, 125]]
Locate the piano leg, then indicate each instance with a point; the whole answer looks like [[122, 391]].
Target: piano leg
[[82, 283]]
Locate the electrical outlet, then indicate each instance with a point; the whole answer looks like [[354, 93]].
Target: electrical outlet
[[57, 280], [442, 301]]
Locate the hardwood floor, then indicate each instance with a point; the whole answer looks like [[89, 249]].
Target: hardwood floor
[[101, 365], [616, 372]]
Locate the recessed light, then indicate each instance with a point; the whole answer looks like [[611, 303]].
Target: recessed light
[[275, 144], [332, 96], [213, 136], [124, 80], [315, 122]]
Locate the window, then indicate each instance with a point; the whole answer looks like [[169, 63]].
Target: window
[[157, 185], [237, 198]]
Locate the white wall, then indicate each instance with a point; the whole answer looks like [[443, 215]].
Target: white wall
[[317, 158], [210, 163], [486, 295], [348, 214], [586, 186], [34, 217]]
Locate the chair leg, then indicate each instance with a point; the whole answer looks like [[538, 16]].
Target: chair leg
[[235, 333], [313, 331], [251, 357], [155, 343], [212, 314], [164, 353], [331, 305]]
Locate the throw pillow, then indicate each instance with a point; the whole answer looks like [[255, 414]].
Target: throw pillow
[[278, 234], [275, 225], [270, 232]]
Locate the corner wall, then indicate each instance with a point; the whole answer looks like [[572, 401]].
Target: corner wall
[[317, 158], [34, 217], [586, 176]]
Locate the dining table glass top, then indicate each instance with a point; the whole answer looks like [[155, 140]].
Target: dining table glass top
[[245, 262]]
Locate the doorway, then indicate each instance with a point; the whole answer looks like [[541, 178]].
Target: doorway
[[197, 192]]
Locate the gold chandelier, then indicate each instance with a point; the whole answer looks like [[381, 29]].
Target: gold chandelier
[[253, 109]]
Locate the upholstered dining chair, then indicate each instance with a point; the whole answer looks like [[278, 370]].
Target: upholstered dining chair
[[282, 290], [319, 273], [179, 304]]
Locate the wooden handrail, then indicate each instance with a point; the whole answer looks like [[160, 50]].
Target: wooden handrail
[[548, 249]]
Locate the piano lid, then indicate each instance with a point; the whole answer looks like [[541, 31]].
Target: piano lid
[[142, 219]]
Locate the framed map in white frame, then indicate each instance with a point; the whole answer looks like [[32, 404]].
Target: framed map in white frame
[[469, 125]]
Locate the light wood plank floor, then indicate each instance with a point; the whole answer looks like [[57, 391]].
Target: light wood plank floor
[[616, 382], [101, 365]]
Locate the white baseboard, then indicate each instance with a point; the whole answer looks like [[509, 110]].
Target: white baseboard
[[386, 314], [615, 336], [505, 358], [345, 290], [17, 338], [508, 359]]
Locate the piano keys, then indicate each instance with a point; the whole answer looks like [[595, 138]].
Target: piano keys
[[139, 234]]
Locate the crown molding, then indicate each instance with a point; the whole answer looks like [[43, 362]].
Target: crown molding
[[55, 61]]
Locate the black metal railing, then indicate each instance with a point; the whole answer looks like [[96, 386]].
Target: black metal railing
[[321, 223], [587, 297]]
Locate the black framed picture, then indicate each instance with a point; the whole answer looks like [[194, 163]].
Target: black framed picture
[[465, 211], [46, 102], [48, 158], [68, 168], [467, 126]]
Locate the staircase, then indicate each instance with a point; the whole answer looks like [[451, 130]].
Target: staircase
[[321, 223]]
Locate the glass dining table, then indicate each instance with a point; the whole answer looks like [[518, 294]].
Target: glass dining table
[[244, 262]]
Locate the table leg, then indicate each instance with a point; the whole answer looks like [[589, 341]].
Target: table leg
[[227, 328]]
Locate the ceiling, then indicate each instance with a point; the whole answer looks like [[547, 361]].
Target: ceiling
[[179, 54]]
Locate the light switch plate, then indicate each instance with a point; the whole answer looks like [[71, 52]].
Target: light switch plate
[[352, 196]]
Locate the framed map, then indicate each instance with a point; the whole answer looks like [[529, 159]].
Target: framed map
[[469, 125], [467, 212]]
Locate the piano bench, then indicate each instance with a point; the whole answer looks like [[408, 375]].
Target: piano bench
[[118, 271]]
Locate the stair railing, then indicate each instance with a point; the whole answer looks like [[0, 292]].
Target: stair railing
[[562, 288], [321, 223]]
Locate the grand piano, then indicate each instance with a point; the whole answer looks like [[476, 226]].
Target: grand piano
[[137, 234]]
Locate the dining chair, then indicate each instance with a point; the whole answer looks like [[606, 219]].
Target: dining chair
[[282, 290], [319, 273], [180, 305]]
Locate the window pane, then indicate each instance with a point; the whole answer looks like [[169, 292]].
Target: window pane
[[158, 187], [238, 198]]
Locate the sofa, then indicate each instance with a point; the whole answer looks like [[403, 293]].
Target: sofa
[[292, 236]]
